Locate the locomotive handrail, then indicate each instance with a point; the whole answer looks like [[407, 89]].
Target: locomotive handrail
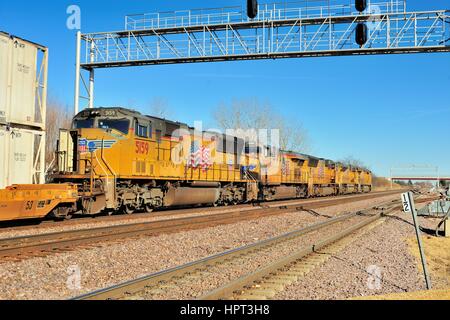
[[112, 171]]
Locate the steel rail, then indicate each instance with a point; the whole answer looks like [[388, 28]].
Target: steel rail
[[27, 224], [137, 285], [133, 287], [44, 244], [20, 248], [248, 280]]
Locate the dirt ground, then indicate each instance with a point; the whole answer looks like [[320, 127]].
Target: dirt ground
[[437, 253], [419, 295]]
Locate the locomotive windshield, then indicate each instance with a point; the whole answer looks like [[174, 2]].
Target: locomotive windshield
[[81, 124], [122, 125]]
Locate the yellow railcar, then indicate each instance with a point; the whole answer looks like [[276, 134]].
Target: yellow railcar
[[20, 202], [140, 162], [287, 176], [115, 159], [125, 161]]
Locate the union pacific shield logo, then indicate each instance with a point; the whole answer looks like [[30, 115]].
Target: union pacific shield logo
[[85, 145]]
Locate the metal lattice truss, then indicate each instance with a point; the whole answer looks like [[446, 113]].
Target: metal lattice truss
[[271, 38], [309, 28], [417, 172]]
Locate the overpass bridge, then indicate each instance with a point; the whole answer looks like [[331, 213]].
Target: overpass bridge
[[415, 178], [297, 29]]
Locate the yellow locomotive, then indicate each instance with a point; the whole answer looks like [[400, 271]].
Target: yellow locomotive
[[121, 160]]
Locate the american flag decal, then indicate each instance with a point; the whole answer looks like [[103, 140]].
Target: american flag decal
[[200, 157], [321, 172], [285, 168], [82, 146]]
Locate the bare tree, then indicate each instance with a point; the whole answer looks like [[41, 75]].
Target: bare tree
[[252, 114], [58, 117], [159, 107], [351, 161]]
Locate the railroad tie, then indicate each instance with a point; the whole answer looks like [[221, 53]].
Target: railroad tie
[[270, 285], [276, 283], [166, 286], [156, 291], [265, 292], [252, 297]]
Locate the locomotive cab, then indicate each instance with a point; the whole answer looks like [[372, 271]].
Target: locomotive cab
[[91, 130]]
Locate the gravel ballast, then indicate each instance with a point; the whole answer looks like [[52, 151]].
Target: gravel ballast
[[54, 277], [382, 253]]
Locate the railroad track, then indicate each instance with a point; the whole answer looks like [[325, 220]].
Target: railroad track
[[46, 224], [267, 282], [20, 248], [248, 286]]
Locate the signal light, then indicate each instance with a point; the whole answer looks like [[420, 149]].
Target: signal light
[[361, 34], [252, 8], [360, 5]]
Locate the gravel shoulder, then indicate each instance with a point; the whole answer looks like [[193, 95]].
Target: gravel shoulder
[[379, 263], [56, 276]]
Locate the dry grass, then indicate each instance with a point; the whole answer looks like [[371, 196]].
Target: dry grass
[[383, 184], [419, 295], [437, 252]]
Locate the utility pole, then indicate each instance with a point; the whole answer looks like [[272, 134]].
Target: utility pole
[[77, 74]]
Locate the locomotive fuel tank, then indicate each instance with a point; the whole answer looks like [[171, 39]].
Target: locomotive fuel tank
[[191, 196], [281, 192]]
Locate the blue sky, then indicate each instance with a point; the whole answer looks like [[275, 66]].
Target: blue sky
[[385, 110]]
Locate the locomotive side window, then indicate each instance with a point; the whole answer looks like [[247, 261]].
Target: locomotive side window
[[120, 125], [83, 124], [141, 130]]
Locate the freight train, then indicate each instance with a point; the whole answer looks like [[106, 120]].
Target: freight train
[[116, 160]]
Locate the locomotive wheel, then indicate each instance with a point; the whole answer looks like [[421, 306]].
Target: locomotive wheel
[[149, 209], [129, 209], [62, 213]]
